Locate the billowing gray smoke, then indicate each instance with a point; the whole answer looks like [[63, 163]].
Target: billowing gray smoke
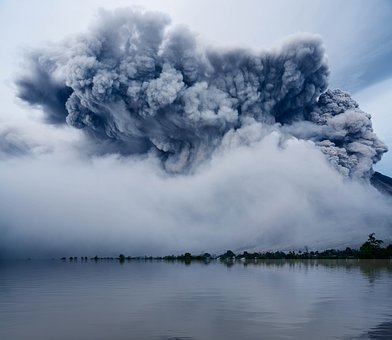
[[136, 87]]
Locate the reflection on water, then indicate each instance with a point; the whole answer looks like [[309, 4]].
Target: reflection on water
[[371, 269], [270, 299], [381, 331]]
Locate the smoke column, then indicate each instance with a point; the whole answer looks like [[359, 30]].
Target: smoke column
[[156, 144], [136, 86]]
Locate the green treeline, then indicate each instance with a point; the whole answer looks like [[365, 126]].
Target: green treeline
[[371, 249]]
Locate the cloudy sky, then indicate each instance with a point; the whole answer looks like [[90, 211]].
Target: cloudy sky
[[355, 33], [55, 200]]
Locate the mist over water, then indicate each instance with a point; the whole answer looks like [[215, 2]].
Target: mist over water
[[169, 146]]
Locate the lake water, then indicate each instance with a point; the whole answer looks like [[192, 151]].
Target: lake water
[[158, 300]]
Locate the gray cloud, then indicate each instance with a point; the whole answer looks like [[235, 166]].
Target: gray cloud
[[139, 86], [38, 87], [343, 132], [13, 142], [133, 82], [251, 138]]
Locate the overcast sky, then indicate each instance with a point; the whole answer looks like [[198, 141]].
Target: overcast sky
[[355, 32], [140, 202]]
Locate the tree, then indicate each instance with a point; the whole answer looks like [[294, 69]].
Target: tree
[[371, 248], [229, 255]]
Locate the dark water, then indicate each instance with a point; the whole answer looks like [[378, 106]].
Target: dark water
[[157, 300]]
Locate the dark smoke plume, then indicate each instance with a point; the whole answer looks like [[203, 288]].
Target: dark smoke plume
[[135, 87]]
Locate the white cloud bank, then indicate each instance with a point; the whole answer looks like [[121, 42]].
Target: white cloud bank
[[273, 193]]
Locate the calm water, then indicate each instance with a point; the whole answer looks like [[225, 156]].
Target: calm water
[[157, 300]]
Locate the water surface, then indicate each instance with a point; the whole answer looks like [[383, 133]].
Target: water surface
[[271, 299]]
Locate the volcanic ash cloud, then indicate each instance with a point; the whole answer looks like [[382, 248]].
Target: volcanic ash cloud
[[158, 145], [135, 85]]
